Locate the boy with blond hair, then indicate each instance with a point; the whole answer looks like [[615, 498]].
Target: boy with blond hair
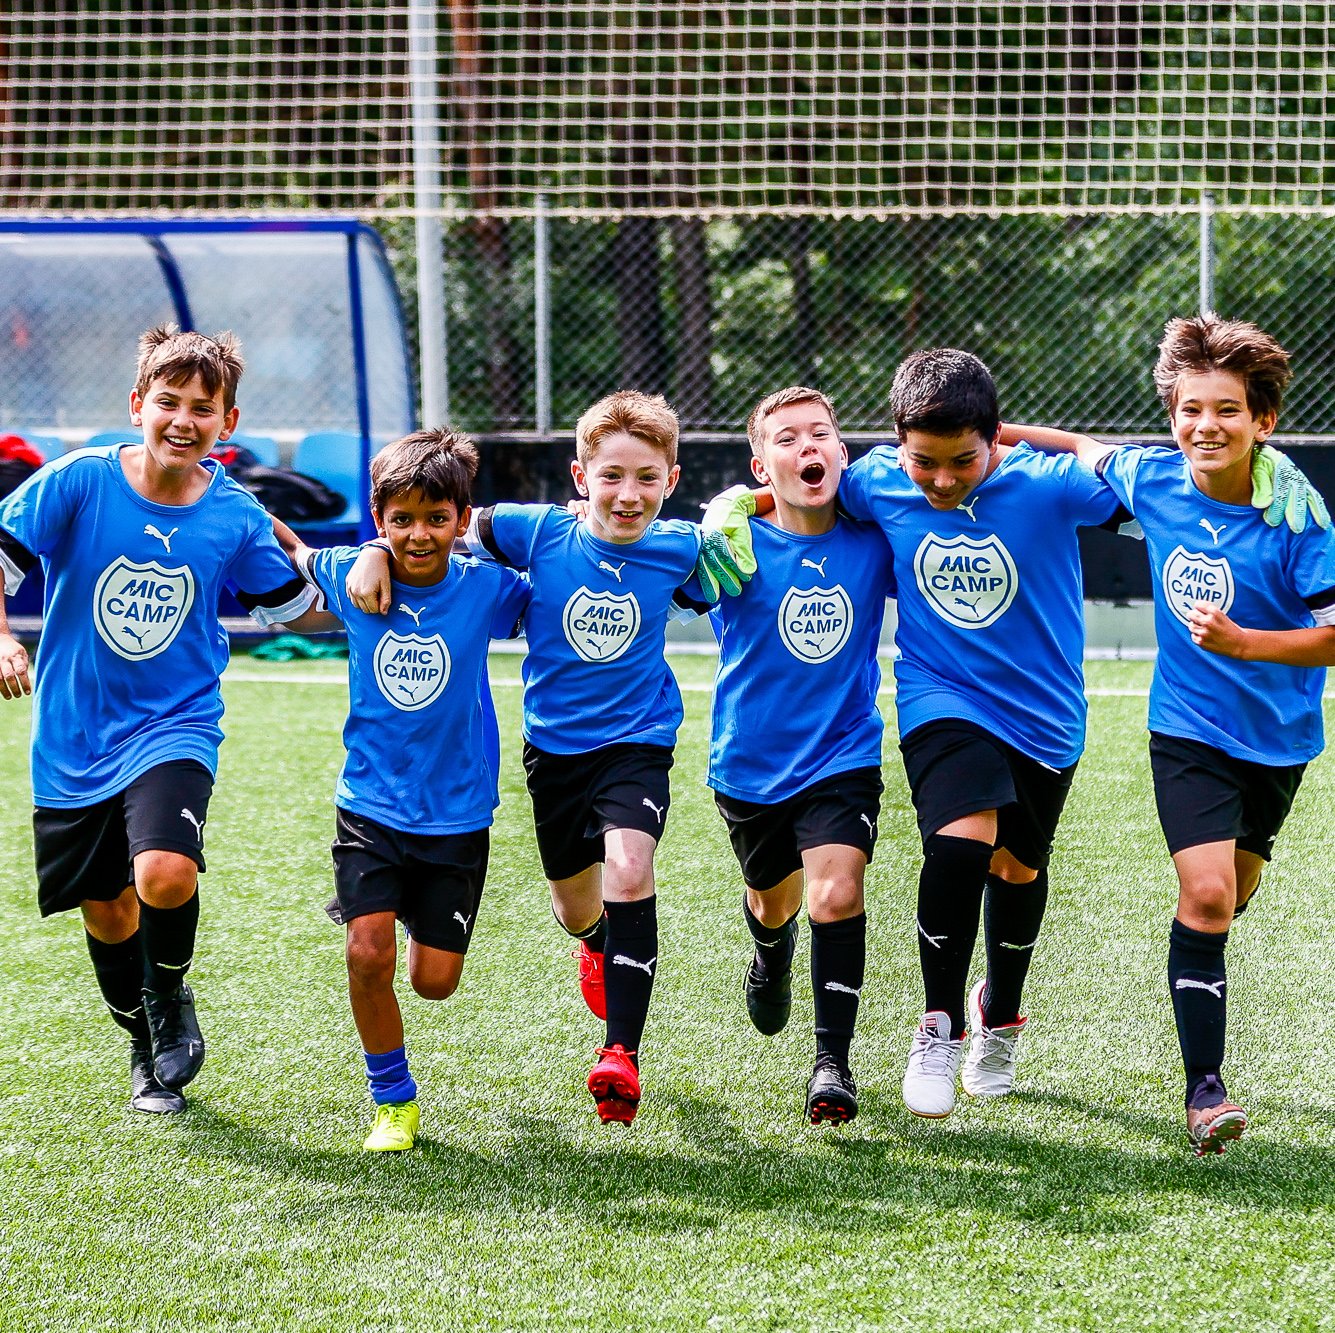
[[413, 814], [601, 706], [798, 666], [137, 542], [1244, 613]]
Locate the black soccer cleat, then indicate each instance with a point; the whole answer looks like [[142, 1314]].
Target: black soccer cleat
[[146, 1093], [831, 1095], [178, 1044], [769, 1000]]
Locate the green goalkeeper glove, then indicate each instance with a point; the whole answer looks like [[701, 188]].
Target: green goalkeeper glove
[[726, 558], [1280, 487]]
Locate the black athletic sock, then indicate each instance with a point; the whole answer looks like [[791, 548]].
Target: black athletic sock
[[119, 969], [838, 961], [774, 944], [628, 972], [950, 898], [1012, 915], [1196, 980], [168, 934]]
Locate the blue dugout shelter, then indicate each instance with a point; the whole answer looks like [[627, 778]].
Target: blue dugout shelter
[[314, 302]]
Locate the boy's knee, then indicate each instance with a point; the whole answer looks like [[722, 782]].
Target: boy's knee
[[114, 921], [435, 987], [837, 899], [370, 955], [165, 879], [1210, 898]]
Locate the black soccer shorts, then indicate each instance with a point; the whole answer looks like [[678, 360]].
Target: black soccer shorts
[[956, 768], [578, 797], [769, 840], [87, 854], [431, 881], [1204, 795]]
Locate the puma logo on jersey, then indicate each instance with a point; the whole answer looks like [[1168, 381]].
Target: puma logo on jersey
[[463, 920], [613, 570], [164, 537], [972, 605], [933, 940], [416, 615], [658, 810], [817, 565], [842, 989], [1214, 532], [968, 508], [631, 962], [198, 824], [1216, 988], [134, 634]]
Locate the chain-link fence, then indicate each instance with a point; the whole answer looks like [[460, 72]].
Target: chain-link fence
[[715, 312]]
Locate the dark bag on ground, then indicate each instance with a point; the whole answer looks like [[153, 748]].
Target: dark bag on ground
[[291, 496]]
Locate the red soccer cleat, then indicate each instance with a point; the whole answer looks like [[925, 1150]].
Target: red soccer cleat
[[591, 980], [615, 1084]]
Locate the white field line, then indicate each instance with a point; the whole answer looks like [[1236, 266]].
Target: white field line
[[886, 691]]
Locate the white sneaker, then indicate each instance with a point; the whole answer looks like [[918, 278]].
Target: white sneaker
[[989, 1066], [929, 1080]]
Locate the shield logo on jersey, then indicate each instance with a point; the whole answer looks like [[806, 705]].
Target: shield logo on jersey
[[814, 623], [1190, 577], [600, 626], [411, 670], [139, 608], [967, 582]]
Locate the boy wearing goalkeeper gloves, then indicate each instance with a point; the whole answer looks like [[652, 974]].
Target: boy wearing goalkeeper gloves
[[1245, 621], [798, 667], [989, 694], [601, 706]]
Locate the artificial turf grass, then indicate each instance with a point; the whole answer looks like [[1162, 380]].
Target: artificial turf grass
[[1074, 1203]]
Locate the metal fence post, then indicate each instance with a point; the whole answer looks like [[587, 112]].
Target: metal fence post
[[426, 200], [542, 319], [1207, 253]]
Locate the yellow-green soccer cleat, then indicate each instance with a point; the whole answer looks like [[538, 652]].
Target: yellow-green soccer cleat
[[395, 1128]]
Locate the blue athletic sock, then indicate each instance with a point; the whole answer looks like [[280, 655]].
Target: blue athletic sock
[[389, 1077]]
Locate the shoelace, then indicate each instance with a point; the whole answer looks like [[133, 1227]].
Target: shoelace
[[935, 1055], [998, 1049]]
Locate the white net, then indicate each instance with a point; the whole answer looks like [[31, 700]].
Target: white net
[[256, 106]]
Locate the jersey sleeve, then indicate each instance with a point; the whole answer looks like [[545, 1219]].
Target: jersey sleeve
[[1313, 571], [511, 602], [33, 519], [1091, 500], [327, 569], [505, 533], [858, 484], [1118, 468], [264, 580]]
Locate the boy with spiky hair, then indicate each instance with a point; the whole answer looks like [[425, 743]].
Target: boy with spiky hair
[[1245, 621], [989, 694], [136, 542], [413, 813], [798, 666], [601, 707]]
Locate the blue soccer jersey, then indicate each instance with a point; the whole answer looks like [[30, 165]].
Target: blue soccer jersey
[[132, 646], [595, 673], [795, 697], [1264, 578], [421, 736], [990, 599]]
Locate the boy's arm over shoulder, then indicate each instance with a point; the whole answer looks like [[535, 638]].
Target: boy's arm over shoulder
[[266, 583], [1051, 440], [506, 533], [512, 599]]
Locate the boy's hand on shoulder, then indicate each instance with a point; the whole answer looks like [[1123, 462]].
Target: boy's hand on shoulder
[[14, 680], [1282, 490], [367, 584], [578, 508], [726, 555], [1212, 630]]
